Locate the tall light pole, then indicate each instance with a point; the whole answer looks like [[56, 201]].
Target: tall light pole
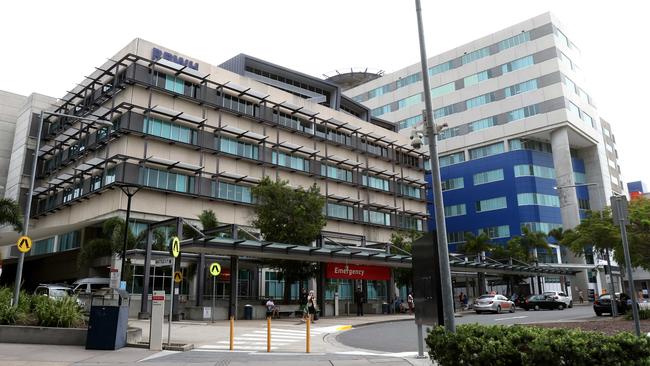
[[129, 190], [432, 132], [28, 202]]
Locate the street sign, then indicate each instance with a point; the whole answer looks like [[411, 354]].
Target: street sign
[[619, 210], [24, 244], [215, 269], [163, 262], [178, 277], [176, 247]]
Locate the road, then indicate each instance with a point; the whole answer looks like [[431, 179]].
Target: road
[[402, 336]]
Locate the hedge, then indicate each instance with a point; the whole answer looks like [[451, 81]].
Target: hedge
[[474, 344]]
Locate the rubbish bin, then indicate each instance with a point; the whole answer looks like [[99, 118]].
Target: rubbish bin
[[248, 312], [109, 320], [384, 308]]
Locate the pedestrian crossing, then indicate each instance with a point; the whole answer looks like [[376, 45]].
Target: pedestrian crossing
[[282, 338]]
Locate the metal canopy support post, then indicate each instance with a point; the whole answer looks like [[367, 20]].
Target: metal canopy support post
[[129, 191], [144, 299], [611, 284], [200, 276], [234, 278], [28, 207], [443, 250], [320, 289]]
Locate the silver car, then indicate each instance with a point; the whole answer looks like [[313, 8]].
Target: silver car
[[493, 303]]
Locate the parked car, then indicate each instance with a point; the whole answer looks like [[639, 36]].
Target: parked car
[[517, 299], [493, 303], [90, 285], [560, 296], [603, 304], [539, 302], [56, 292]]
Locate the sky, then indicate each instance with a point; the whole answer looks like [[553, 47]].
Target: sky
[[49, 46]]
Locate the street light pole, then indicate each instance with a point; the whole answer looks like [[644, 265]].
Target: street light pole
[[28, 202], [431, 132], [129, 190]]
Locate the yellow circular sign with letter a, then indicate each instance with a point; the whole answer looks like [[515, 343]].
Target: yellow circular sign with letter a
[[24, 244], [175, 247], [215, 269]]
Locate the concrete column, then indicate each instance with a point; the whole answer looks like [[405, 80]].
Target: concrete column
[[322, 283], [200, 279], [234, 279], [564, 177], [144, 299]]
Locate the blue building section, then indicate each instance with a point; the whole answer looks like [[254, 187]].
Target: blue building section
[[522, 172], [637, 186]]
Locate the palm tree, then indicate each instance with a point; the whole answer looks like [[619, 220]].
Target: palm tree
[[10, 213], [109, 243], [528, 242], [478, 245]]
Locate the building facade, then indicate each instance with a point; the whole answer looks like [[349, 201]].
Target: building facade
[[523, 144], [197, 137]]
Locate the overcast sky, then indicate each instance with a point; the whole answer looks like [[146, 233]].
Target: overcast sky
[[49, 46]]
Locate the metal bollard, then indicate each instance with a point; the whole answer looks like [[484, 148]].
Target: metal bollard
[[268, 334], [232, 333], [308, 345]]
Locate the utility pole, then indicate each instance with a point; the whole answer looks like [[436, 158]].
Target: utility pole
[[431, 133]]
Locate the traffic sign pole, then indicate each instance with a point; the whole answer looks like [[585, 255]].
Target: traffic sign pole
[[214, 287], [171, 304]]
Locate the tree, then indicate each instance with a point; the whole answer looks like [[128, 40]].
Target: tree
[[10, 213], [638, 234], [478, 245], [596, 232], [527, 243], [290, 216], [110, 242], [402, 243], [208, 220]]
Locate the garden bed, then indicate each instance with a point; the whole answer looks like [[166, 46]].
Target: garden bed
[[42, 335], [607, 326]]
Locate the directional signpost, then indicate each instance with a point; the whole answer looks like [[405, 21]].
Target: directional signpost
[[215, 270], [175, 251], [24, 244]]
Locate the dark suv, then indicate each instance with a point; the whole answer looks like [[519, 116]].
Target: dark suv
[[603, 304]]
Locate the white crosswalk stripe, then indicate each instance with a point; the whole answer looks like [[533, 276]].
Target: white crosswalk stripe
[[256, 340]]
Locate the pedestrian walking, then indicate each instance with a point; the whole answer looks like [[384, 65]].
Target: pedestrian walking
[[410, 303], [461, 300], [303, 303], [581, 297], [359, 300], [311, 306]]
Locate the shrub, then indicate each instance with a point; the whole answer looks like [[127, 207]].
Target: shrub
[[65, 312], [8, 313], [643, 314], [475, 344]]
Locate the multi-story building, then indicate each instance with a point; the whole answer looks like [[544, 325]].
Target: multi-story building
[[196, 137], [523, 143]]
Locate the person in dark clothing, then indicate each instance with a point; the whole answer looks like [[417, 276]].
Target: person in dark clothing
[[359, 300], [303, 303]]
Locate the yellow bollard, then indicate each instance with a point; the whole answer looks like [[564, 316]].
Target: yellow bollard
[[232, 333], [268, 334], [308, 334]]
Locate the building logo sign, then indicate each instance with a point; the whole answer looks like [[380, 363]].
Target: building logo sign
[[157, 54]]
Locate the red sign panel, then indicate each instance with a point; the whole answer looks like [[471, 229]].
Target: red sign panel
[[224, 276], [635, 194], [357, 272]]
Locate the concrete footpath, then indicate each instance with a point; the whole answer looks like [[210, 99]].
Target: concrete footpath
[[211, 343]]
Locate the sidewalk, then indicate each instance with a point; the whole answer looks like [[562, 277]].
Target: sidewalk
[[211, 342]]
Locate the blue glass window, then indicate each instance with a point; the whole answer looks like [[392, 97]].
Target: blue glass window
[[453, 183], [513, 41], [174, 84], [290, 161], [517, 64], [340, 211], [491, 204], [455, 210], [483, 151], [521, 88], [456, 158], [232, 192], [481, 124], [239, 148], [488, 177]]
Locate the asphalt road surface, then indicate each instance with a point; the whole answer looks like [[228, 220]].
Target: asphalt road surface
[[401, 336]]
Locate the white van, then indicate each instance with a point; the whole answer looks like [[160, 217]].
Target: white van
[[89, 285]]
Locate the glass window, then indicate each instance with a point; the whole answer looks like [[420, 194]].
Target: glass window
[[491, 204], [344, 288], [483, 151], [413, 99], [376, 217], [513, 41], [375, 182], [232, 192], [380, 110], [443, 89], [167, 130], [408, 80], [580, 178], [335, 172], [440, 68], [174, 84], [456, 237], [528, 170], [519, 144], [476, 78], [475, 55], [409, 222], [410, 191], [542, 227], [444, 111], [480, 100], [448, 133], [239, 148], [273, 286], [481, 124], [69, 241], [522, 113], [517, 64], [524, 199], [587, 118], [410, 122], [166, 180], [237, 104], [340, 211], [110, 176], [502, 231], [456, 158], [488, 176], [562, 38], [290, 161], [455, 210], [453, 183], [573, 108], [43, 246], [521, 88]]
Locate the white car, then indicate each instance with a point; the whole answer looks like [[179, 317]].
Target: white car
[[560, 296], [493, 303]]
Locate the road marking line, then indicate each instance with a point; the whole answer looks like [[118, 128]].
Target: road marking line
[[512, 317], [343, 327]]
